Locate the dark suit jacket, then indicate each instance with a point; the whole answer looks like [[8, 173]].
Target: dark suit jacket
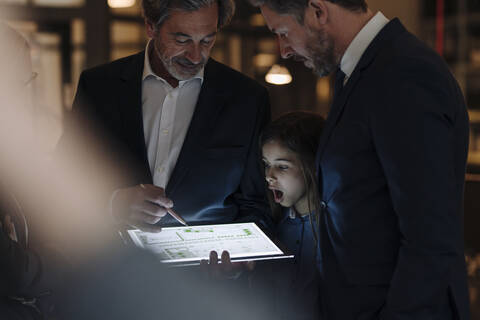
[[392, 167], [217, 177]]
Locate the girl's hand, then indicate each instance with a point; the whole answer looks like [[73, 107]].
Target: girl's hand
[[226, 269]]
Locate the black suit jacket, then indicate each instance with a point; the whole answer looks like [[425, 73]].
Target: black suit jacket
[[391, 165], [217, 177]]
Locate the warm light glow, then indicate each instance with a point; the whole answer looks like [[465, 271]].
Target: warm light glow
[[323, 89], [278, 75], [256, 20], [264, 60], [121, 3]]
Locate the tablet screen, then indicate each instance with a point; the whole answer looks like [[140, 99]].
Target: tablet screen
[[244, 241]]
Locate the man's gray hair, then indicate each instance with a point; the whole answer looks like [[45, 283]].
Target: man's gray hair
[[297, 8], [157, 11]]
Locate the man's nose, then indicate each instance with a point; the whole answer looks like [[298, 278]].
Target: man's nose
[[285, 50], [194, 54]]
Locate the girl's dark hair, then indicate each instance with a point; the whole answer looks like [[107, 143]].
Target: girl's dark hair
[[299, 132]]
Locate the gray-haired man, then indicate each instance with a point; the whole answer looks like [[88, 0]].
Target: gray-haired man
[[183, 127]]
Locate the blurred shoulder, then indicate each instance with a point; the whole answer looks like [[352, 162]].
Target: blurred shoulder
[[117, 67], [224, 76]]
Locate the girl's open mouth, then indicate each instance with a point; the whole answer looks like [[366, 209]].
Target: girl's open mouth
[[277, 195]]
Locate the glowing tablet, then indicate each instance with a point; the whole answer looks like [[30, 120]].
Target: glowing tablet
[[190, 245]]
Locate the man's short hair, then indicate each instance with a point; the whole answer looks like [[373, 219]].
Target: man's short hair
[[157, 11], [297, 7]]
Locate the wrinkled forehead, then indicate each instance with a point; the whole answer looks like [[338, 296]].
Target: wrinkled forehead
[[278, 22], [201, 21], [272, 18]]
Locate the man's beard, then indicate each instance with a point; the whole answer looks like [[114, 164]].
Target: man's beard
[[180, 67], [321, 49]]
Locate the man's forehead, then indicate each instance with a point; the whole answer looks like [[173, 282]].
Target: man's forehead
[[187, 22], [276, 22]]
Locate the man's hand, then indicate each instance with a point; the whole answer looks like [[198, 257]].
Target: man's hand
[[226, 269], [141, 206]]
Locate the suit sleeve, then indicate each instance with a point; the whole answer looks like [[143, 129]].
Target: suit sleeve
[[414, 127], [251, 198]]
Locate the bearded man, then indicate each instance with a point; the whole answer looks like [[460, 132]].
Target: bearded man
[[391, 163]]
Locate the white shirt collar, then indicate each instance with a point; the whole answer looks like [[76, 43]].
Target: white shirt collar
[[292, 213], [147, 70], [360, 43]]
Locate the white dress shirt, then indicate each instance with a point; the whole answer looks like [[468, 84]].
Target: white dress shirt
[[360, 43], [167, 113]]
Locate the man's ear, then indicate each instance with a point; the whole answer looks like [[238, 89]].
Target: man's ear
[[318, 10], [150, 28]]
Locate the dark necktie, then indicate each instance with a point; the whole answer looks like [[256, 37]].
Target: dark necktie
[[339, 79]]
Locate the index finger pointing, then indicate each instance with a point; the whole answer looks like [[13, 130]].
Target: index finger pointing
[[156, 195]]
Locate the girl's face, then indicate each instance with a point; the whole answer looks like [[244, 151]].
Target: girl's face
[[284, 176]]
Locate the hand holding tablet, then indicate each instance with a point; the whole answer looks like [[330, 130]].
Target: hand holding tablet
[[223, 268]]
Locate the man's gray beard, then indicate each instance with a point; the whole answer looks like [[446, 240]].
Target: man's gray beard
[[322, 50], [169, 65], [172, 70]]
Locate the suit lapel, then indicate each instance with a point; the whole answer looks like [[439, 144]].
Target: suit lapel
[[336, 111], [130, 107], [391, 30], [211, 100]]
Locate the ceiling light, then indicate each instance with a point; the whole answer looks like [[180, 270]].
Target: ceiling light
[[120, 3], [278, 75]]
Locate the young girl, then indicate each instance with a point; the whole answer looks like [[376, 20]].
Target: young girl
[[288, 146], [288, 289]]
